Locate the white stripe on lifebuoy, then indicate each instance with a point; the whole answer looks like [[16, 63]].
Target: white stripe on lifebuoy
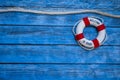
[[90, 44]]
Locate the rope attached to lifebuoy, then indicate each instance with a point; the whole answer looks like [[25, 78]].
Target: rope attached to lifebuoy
[[79, 36]]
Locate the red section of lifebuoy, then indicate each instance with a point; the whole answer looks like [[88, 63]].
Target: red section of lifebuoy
[[86, 21], [79, 36], [100, 27], [96, 43]]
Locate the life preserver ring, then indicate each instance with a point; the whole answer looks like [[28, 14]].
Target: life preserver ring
[[90, 44]]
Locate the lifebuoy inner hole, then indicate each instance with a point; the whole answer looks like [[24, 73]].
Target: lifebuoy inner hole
[[90, 32]]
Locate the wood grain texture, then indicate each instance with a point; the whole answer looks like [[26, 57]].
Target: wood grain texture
[[59, 72], [51, 35], [58, 54], [42, 47], [69, 4], [16, 18]]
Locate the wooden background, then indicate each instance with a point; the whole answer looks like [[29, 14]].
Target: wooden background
[[42, 47]]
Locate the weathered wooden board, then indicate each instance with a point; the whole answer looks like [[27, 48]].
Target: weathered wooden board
[[51, 35], [16, 18], [59, 72], [58, 54], [69, 4]]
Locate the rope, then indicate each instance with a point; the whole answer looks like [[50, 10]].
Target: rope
[[18, 9]]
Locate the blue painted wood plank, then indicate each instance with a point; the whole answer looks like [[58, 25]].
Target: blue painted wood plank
[[56, 4], [58, 54], [59, 72], [51, 35], [16, 18]]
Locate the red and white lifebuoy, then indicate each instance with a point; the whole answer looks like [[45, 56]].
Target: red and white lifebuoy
[[90, 44]]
